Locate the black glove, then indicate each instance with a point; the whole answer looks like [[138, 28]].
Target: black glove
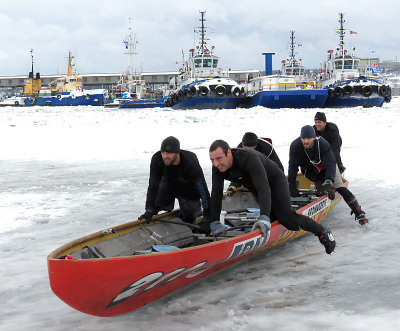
[[327, 186], [294, 192], [148, 215], [341, 169]]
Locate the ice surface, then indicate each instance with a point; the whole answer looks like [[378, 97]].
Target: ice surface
[[67, 172]]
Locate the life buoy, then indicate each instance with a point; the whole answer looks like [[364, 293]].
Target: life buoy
[[87, 96], [337, 91], [367, 91], [48, 103], [236, 91], [211, 72], [59, 96], [220, 90], [193, 91], [16, 103], [203, 91], [348, 90]]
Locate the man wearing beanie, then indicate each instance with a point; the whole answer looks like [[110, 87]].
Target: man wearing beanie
[[176, 173], [330, 132], [262, 145], [317, 162], [267, 182]]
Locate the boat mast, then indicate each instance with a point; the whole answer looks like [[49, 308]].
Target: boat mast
[[202, 32], [292, 47], [32, 60], [70, 65], [341, 34], [130, 50]]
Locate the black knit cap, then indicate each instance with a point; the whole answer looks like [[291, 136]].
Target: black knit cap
[[249, 139], [307, 131], [320, 116], [170, 145]]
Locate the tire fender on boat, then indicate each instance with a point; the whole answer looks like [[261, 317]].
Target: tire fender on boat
[[87, 96], [16, 103], [220, 90], [203, 90], [337, 91], [59, 96], [348, 90], [383, 90], [367, 91], [193, 91], [236, 91], [330, 92]]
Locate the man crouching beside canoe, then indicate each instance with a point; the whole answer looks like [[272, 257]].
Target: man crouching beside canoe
[[264, 178], [176, 173]]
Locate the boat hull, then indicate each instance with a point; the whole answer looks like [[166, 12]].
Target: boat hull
[[66, 99], [141, 103], [209, 103], [290, 99], [355, 101], [112, 286]]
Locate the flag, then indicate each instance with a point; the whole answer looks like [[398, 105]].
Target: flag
[[353, 32], [299, 44]]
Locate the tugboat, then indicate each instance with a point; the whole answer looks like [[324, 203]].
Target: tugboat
[[131, 89], [289, 89], [346, 87], [64, 91], [201, 84]]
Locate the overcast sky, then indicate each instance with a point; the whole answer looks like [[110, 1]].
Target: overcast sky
[[94, 31]]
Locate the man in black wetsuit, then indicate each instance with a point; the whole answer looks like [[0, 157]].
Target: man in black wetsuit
[[250, 140], [330, 132], [317, 162], [176, 173], [264, 178]]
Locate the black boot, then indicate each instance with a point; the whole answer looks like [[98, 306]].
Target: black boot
[[326, 239], [359, 214]]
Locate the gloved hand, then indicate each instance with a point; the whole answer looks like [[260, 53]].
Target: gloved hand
[[294, 192], [263, 223], [341, 169], [231, 190], [217, 228], [327, 186], [148, 215]]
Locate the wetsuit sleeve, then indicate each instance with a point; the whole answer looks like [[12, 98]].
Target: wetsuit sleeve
[[201, 187], [255, 168], [335, 144], [156, 172], [216, 194], [293, 164], [328, 159]]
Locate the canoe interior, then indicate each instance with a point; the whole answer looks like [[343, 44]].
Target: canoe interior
[[139, 238]]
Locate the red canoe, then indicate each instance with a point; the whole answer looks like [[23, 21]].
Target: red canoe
[[114, 271]]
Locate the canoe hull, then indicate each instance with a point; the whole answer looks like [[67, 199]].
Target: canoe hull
[[112, 286]]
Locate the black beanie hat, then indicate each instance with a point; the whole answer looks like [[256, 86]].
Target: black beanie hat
[[170, 145], [307, 131], [320, 116], [249, 139]]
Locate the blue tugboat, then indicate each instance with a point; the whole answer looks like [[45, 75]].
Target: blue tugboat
[[346, 87], [64, 91], [289, 89], [201, 84]]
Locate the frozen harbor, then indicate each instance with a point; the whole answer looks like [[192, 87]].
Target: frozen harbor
[[67, 172]]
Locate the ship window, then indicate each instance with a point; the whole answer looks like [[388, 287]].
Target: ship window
[[197, 63], [302, 72], [295, 71], [339, 64], [348, 64], [289, 72], [215, 63], [207, 63], [356, 62]]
